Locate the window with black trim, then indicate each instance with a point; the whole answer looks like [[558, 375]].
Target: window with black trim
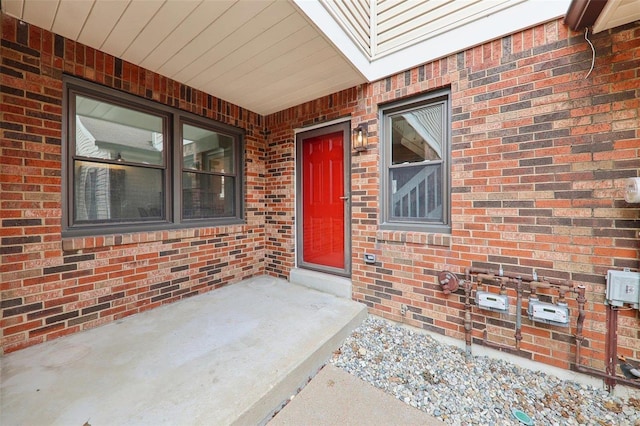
[[416, 164], [133, 164]]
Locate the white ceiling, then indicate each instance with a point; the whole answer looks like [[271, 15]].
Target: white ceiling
[[262, 55], [616, 13], [268, 55]]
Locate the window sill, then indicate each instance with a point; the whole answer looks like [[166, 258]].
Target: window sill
[[76, 244], [412, 237]]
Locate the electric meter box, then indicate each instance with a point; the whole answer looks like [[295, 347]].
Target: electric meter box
[[549, 313], [623, 287], [492, 302]]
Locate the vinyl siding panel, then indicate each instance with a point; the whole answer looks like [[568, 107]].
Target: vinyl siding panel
[[408, 22], [355, 18]]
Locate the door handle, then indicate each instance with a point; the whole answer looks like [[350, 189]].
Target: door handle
[[344, 197]]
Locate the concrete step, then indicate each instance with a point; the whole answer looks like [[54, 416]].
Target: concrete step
[[231, 356], [327, 283]]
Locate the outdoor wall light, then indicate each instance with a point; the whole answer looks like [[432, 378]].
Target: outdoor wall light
[[359, 141]]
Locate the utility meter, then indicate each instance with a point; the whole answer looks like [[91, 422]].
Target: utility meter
[[492, 302], [548, 313]]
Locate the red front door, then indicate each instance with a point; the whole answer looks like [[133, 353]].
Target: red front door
[[323, 200]]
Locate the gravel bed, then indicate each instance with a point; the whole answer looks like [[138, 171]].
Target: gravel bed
[[439, 380]]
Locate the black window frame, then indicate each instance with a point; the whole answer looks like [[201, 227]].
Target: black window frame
[[172, 163], [386, 112], [205, 124]]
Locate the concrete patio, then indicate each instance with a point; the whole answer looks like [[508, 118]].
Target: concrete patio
[[232, 356]]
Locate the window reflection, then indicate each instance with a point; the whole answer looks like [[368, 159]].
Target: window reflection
[[107, 192], [205, 196], [208, 180], [116, 193], [205, 150], [417, 135], [111, 132]]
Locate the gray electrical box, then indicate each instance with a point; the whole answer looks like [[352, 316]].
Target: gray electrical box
[[623, 287]]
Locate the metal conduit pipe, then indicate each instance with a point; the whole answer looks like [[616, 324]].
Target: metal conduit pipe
[[543, 283], [467, 312], [489, 274], [611, 348], [610, 378], [483, 274], [563, 292], [467, 317], [491, 277], [518, 312]]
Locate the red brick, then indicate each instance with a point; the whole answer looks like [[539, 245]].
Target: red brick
[[490, 164], [22, 327]]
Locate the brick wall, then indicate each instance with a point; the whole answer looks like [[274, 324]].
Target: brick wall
[[53, 286], [540, 153], [281, 161], [539, 157]]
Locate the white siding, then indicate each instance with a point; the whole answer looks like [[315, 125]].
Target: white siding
[[355, 18], [408, 22]]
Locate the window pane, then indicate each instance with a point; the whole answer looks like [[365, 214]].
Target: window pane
[[105, 193], [417, 135], [416, 193], [206, 150], [108, 131], [205, 196]]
